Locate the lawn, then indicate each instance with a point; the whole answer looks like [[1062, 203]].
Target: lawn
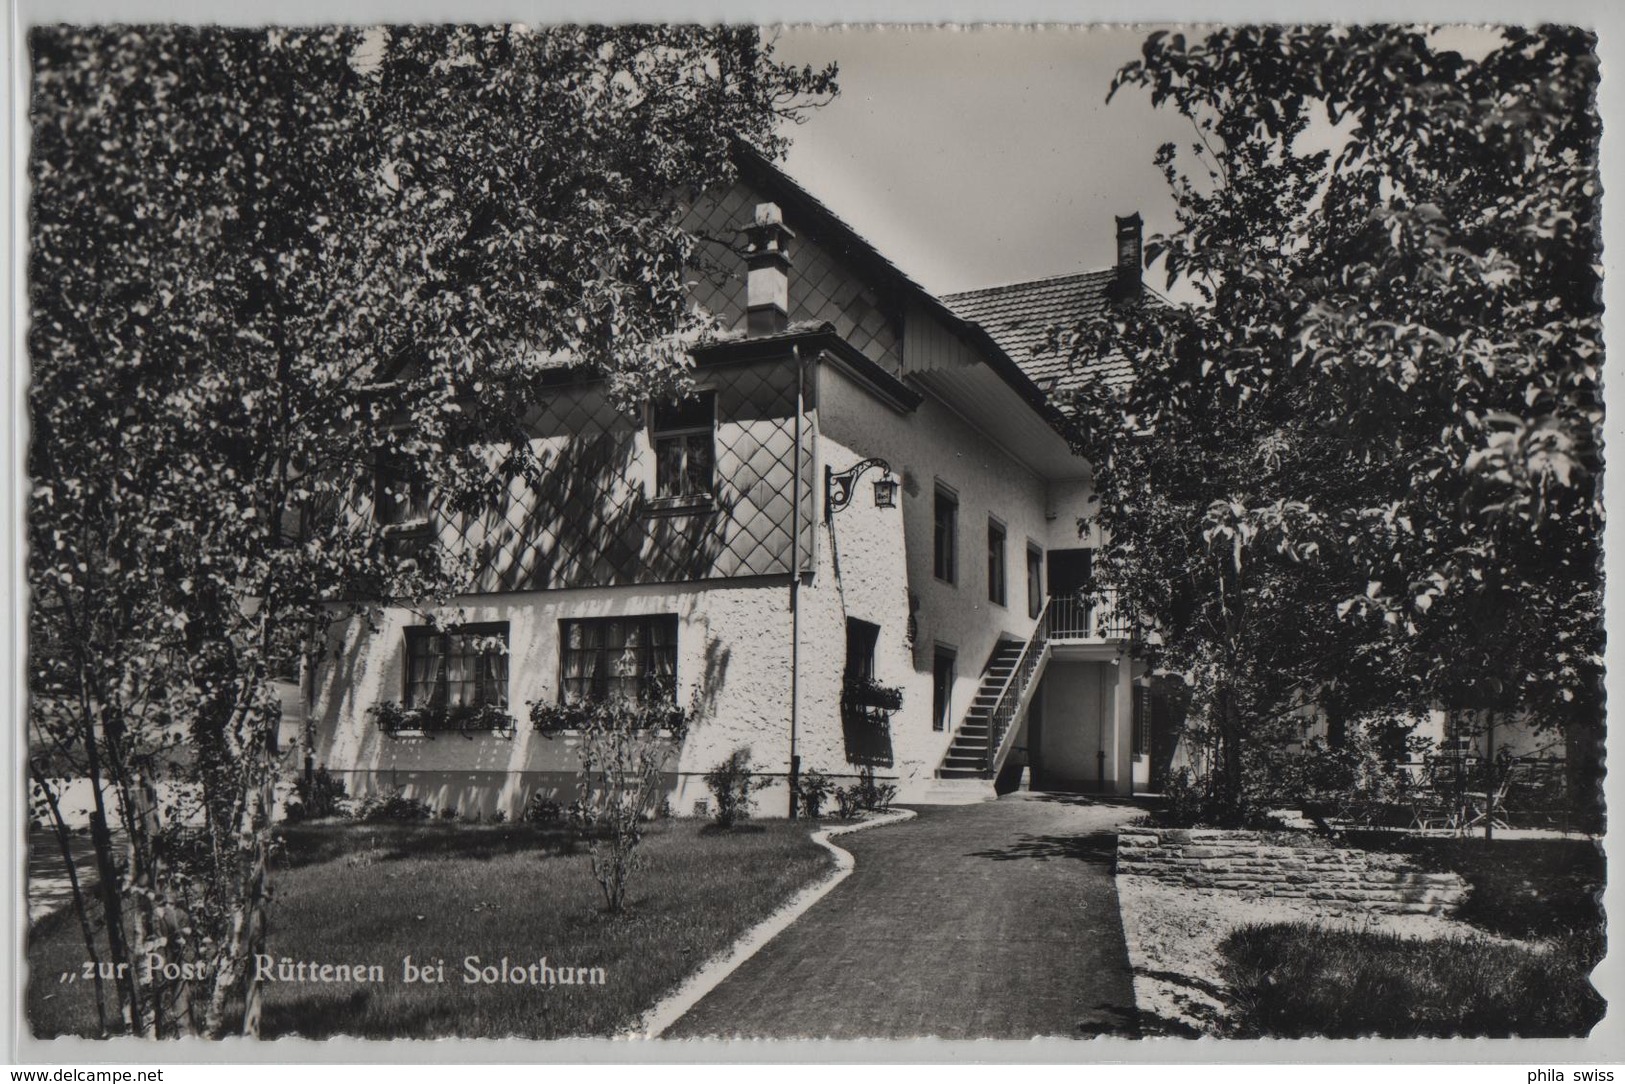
[[1298, 980], [1293, 980], [378, 893]]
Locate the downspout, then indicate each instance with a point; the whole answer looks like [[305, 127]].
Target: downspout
[[795, 585]]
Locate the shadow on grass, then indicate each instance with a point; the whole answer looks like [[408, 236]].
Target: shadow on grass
[[1296, 980], [732, 830], [312, 845], [1097, 847], [1519, 887]]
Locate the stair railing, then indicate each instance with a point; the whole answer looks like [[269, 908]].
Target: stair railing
[[1004, 709]]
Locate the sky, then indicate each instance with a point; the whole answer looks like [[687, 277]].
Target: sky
[[980, 156]]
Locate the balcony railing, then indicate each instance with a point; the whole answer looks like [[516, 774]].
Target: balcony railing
[[1072, 618]]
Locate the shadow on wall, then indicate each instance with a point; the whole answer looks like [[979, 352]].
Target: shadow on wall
[[587, 522], [712, 677], [867, 735]]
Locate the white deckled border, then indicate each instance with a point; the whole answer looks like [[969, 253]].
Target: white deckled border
[[670, 1009]]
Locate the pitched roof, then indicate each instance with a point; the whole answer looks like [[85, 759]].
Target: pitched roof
[[1018, 317]]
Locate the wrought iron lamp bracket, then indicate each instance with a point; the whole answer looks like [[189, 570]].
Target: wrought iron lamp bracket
[[838, 488]]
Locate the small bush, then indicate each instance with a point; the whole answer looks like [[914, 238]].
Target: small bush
[[449, 813], [876, 798], [1296, 980], [813, 790], [848, 802], [322, 795], [395, 806], [543, 810], [731, 784]]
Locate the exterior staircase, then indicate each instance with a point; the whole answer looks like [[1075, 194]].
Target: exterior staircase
[[967, 757], [984, 738]]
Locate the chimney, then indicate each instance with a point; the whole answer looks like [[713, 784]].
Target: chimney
[[767, 283], [1130, 257]]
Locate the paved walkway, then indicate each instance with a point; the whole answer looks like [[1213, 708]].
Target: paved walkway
[[996, 920]]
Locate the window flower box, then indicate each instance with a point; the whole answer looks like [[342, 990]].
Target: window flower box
[[868, 693], [396, 719], [661, 715]]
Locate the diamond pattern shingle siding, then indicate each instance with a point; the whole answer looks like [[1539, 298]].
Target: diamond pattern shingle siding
[[590, 522], [1019, 316], [822, 290]]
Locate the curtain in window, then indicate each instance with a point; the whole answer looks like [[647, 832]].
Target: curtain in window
[[424, 663], [619, 658], [662, 658], [582, 640]]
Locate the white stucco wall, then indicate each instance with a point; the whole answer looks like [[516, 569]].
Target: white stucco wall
[[930, 445], [733, 666]]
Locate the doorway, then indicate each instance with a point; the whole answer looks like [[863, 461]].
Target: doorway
[[1070, 571]]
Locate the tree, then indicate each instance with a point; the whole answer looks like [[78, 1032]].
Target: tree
[[1360, 474], [269, 268]]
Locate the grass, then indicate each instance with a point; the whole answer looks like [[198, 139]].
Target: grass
[[1298, 980], [377, 893], [1293, 980]]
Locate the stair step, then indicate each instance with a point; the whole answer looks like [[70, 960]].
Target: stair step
[[961, 773]]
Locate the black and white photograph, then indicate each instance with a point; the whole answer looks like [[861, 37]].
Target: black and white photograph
[[666, 531]]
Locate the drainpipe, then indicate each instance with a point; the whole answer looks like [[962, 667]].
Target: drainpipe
[[795, 587]]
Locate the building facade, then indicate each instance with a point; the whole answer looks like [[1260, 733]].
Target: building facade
[[857, 546]]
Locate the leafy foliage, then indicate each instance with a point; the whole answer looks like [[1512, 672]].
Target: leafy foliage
[[731, 783], [396, 806], [264, 263], [393, 718], [1361, 474], [623, 747], [813, 789], [320, 794]]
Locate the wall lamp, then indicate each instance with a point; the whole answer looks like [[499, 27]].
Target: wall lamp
[[838, 487]]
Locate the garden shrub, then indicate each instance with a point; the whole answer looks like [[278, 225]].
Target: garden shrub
[[848, 802], [322, 795], [731, 784], [872, 796], [543, 810], [395, 806], [814, 788]]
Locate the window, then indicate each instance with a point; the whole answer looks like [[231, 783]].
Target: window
[[861, 638], [996, 589], [463, 667], [684, 439], [399, 495], [619, 658], [947, 541], [1035, 580], [942, 687]]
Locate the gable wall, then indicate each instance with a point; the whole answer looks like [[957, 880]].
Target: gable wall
[[823, 286]]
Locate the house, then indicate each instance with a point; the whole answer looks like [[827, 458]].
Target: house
[[856, 547]]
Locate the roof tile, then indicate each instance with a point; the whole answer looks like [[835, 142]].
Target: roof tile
[[1018, 317]]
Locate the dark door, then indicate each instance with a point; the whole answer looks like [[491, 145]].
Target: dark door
[[1069, 571]]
